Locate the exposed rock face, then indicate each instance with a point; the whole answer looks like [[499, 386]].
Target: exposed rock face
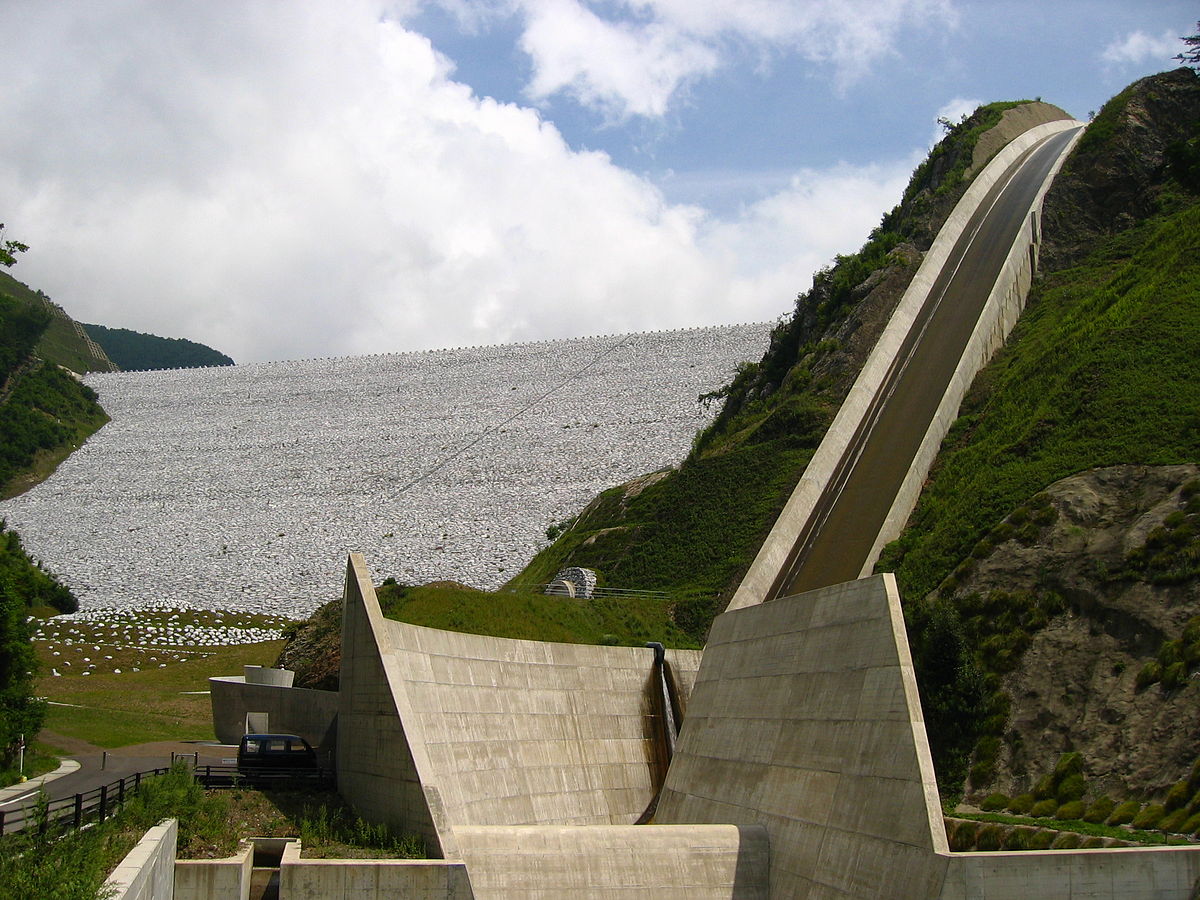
[[1075, 686], [1115, 176]]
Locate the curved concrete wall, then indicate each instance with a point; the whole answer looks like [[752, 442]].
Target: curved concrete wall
[[501, 732], [771, 556]]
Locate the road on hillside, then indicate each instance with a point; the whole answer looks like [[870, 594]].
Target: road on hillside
[[834, 545]]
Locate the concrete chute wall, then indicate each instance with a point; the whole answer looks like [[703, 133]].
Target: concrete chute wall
[[439, 729]]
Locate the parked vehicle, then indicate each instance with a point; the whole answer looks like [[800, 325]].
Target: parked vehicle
[[267, 755]]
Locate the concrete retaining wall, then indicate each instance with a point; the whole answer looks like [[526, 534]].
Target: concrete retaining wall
[[504, 732], [774, 551], [701, 862], [374, 879], [148, 870], [805, 719], [1143, 873], [215, 879], [310, 714]]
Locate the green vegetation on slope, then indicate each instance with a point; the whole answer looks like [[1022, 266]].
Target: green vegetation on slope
[[533, 616], [59, 343], [694, 532], [135, 351], [1101, 371]]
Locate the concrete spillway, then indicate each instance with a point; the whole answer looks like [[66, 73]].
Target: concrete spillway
[[863, 481]]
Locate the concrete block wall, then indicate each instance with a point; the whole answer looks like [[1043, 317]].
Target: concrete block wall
[[805, 720], [771, 556], [148, 870], [310, 714], [700, 862]]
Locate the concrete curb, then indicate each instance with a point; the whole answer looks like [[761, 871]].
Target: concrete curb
[[15, 792]]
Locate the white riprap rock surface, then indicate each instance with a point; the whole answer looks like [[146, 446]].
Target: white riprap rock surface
[[244, 487]]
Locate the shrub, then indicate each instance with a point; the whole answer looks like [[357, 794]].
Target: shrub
[[1068, 764], [994, 803], [1174, 675], [1017, 839], [961, 834], [1099, 811], [1124, 813], [1042, 839], [1150, 816], [1044, 809], [1021, 805], [1092, 843], [1178, 796], [1192, 825], [991, 837], [1072, 810], [1174, 821], [1066, 840], [1044, 789], [1071, 788], [1149, 674]]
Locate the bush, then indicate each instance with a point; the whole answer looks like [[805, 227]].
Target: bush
[[1174, 821], [1072, 810], [991, 837], [961, 835], [1071, 788], [1017, 839], [1149, 674], [1124, 813], [1066, 840], [1044, 809], [1093, 843], [1021, 805], [1042, 839], [1178, 796], [1099, 811], [994, 803], [1174, 675], [1044, 789], [1150, 816], [1192, 825]]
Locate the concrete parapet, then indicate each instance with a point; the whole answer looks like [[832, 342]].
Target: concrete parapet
[[148, 870], [209, 879], [310, 714], [771, 556], [1134, 873], [267, 675], [805, 720], [696, 862]]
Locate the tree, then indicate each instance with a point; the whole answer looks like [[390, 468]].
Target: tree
[[1191, 56], [9, 249]]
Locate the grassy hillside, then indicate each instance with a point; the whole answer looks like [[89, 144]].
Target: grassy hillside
[[60, 342], [134, 351], [694, 531]]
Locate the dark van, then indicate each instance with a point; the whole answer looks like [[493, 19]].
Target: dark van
[[276, 755]]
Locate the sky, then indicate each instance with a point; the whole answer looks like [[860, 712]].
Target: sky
[[318, 178]]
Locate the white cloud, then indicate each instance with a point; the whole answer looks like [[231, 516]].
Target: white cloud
[[633, 57], [318, 185], [1138, 48], [953, 111]]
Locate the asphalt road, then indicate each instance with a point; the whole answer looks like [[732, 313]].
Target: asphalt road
[[834, 545]]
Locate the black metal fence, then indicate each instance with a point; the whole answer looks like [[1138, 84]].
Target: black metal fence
[[99, 803]]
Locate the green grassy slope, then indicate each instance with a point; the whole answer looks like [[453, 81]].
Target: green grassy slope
[[694, 532], [1100, 370]]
